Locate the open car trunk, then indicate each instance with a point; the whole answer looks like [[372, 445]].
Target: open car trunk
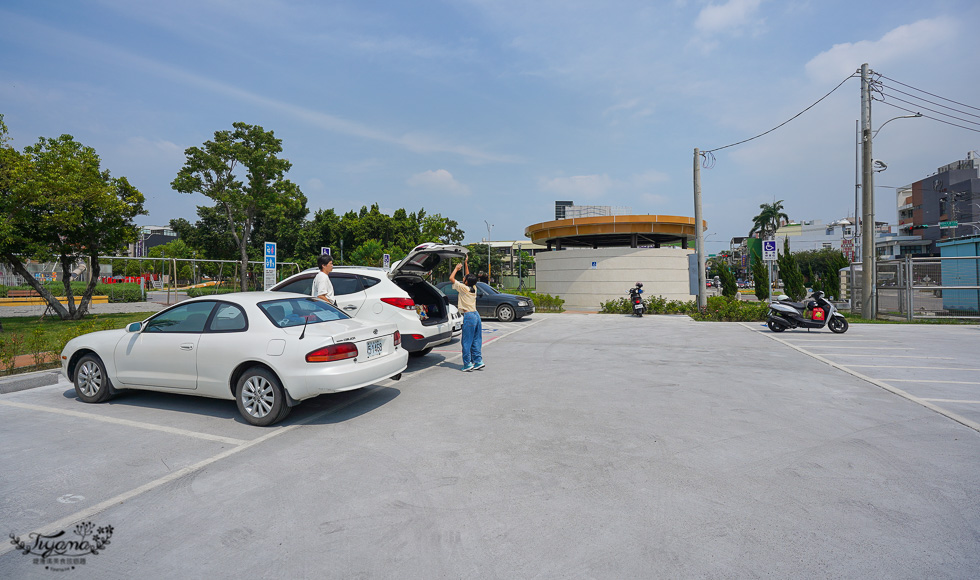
[[427, 299]]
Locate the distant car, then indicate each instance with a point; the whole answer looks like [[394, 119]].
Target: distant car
[[266, 350], [401, 295], [491, 303]]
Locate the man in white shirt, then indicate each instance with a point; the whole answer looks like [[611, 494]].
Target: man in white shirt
[[322, 287]]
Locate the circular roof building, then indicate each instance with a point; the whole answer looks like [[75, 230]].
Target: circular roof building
[[624, 231]]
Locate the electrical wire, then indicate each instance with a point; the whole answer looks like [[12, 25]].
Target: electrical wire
[[882, 100], [931, 94], [930, 117], [930, 102], [709, 151]]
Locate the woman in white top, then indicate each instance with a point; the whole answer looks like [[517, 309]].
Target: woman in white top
[[472, 339]]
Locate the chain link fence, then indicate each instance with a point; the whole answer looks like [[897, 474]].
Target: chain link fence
[[921, 288]]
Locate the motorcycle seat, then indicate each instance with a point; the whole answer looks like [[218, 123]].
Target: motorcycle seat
[[796, 305]]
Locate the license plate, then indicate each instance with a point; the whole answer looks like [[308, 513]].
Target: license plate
[[375, 347]]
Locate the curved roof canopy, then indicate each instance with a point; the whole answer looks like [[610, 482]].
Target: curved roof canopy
[[614, 231]]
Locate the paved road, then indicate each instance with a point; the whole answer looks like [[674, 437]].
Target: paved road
[[591, 446]]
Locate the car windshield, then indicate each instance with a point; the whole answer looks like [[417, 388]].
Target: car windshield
[[299, 311], [486, 288]]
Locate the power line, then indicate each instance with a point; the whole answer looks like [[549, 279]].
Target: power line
[[929, 117], [931, 94], [901, 100], [709, 151], [884, 86]]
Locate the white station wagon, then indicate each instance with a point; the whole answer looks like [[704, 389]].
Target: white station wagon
[[266, 350]]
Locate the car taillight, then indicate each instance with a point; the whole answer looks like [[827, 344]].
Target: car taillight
[[333, 352], [416, 336], [406, 303], [398, 338]]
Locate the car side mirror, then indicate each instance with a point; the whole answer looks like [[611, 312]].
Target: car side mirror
[[134, 327], [479, 294], [446, 299]]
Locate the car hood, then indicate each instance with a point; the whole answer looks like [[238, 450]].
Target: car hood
[[424, 258]]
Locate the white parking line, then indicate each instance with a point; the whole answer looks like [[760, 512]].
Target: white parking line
[[128, 495], [954, 401], [128, 423], [878, 383], [873, 347], [932, 381], [881, 355], [905, 367]]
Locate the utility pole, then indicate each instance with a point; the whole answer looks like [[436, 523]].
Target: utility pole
[[698, 231], [868, 306]]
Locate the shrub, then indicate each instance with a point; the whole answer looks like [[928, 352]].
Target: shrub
[[654, 305], [724, 309], [542, 302], [10, 345]]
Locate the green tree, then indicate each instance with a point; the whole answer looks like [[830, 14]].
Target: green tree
[[323, 231], [525, 263], [478, 261], [59, 204], [760, 276], [369, 253], [767, 222], [790, 272], [211, 171], [729, 286]]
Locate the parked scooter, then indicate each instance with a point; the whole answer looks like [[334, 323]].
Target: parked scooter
[[815, 313], [636, 300]]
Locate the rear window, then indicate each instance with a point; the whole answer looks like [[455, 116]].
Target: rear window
[[298, 311], [301, 286], [345, 284], [368, 281]]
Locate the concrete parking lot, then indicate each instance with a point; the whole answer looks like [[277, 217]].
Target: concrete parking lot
[[592, 446]]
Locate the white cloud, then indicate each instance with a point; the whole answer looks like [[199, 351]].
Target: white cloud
[[582, 186], [439, 180], [590, 187], [895, 46], [732, 16]]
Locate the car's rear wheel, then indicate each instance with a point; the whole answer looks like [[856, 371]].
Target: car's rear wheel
[[505, 313], [92, 384], [260, 397], [422, 352]]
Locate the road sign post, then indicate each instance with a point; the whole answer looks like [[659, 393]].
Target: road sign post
[[387, 262]]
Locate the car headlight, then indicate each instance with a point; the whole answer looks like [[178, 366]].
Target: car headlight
[[522, 302]]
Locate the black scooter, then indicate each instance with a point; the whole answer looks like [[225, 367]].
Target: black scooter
[[636, 300], [784, 314]]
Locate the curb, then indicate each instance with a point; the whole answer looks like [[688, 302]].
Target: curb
[[26, 381]]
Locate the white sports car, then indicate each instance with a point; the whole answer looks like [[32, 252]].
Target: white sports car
[[266, 350]]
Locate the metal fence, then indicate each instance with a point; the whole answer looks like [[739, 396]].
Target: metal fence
[[922, 288]]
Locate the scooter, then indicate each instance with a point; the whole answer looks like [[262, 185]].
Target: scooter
[[636, 300], [815, 313]]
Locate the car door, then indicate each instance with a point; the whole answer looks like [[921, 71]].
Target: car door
[[348, 292], [486, 300], [226, 342], [164, 352]]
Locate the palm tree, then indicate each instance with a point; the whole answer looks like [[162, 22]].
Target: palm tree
[[767, 222]]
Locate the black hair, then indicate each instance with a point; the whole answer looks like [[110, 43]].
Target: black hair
[[323, 260], [470, 280]]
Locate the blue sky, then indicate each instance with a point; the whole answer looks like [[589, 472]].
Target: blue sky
[[493, 109]]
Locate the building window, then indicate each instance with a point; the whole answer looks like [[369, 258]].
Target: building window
[[830, 231], [828, 245]]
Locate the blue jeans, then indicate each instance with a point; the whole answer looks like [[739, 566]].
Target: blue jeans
[[472, 339]]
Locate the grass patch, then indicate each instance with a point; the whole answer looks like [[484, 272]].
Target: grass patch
[[27, 335]]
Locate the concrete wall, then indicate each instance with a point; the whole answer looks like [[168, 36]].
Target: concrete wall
[[569, 274]]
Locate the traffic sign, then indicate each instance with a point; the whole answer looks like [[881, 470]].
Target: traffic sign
[[325, 251], [948, 224], [769, 250], [269, 279], [387, 261]]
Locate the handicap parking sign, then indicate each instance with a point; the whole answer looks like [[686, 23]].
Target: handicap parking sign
[[769, 250]]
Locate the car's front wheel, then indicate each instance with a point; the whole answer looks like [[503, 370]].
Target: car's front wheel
[[260, 397], [92, 384], [505, 313]]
